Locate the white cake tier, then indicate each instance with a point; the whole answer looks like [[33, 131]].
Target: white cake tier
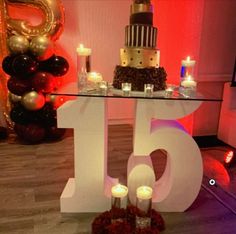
[[139, 57]]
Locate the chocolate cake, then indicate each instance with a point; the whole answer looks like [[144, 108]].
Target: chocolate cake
[[139, 63]]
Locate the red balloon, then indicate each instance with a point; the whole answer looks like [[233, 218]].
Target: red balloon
[[18, 87], [31, 133], [43, 82]]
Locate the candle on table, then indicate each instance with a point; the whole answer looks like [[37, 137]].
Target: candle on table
[[83, 65], [94, 77], [188, 82], [188, 87], [82, 51], [103, 86], [119, 193], [83, 58], [187, 67], [126, 88], [169, 91], [148, 89], [144, 203]]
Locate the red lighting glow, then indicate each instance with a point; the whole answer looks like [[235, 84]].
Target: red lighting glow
[[229, 157]]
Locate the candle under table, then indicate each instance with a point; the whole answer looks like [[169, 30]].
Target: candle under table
[[144, 204]]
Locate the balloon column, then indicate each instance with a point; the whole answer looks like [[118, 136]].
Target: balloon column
[[33, 70]]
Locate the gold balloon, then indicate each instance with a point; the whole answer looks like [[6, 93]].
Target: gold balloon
[[33, 101], [52, 23], [41, 47], [4, 104], [18, 44], [14, 98]]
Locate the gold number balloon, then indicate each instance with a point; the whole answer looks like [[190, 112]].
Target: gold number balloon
[[52, 23]]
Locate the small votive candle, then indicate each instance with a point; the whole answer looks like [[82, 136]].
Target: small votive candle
[[126, 88], [103, 87], [119, 194], [148, 89], [144, 204], [94, 77], [169, 92], [188, 82]]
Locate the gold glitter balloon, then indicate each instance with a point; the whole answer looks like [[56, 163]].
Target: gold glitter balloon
[[14, 98], [18, 44], [41, 47], [53, 18], [33, 101]]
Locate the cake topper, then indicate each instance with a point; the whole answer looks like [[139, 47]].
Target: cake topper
[[142, 1]]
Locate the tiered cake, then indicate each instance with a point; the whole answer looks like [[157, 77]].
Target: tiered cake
[[139, 63]]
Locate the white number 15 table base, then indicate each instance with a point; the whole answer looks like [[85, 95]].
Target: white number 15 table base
[[155, 128]]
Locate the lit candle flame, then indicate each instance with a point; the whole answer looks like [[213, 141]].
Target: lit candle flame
[[189, 77], [81, 46], [188, 58]]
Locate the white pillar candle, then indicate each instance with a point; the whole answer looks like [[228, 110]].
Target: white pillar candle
[[187, 67], [188, 62], [188, 82], [82, 51], [119, 193], [83, 65], [144, 193], [144, 204]]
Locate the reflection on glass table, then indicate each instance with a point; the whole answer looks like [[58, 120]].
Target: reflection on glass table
[[173, 92]]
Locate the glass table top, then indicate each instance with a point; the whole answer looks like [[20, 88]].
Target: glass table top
[[176, 93]]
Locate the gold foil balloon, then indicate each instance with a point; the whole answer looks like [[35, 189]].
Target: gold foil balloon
[[41, 47], [33, 101], [14, 98], [52, 21], [18, 44], [4, 104]]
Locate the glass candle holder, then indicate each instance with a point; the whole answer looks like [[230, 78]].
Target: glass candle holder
[[83, 65], [118, 201], [188, 87], [144, 204], [169, 92], [148, 89], [126, 88], [119, 196], [187, 67], [103, 87]]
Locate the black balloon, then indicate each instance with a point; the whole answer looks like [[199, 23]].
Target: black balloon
[[18, 87], [7, 65], [48, 115], [56, 65], [24, 65], [19, 115]]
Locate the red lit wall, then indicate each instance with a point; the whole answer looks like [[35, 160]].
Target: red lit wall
[[179, 24]]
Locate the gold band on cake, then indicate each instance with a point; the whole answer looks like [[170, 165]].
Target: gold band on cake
[[139, 57], [137, 8]]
